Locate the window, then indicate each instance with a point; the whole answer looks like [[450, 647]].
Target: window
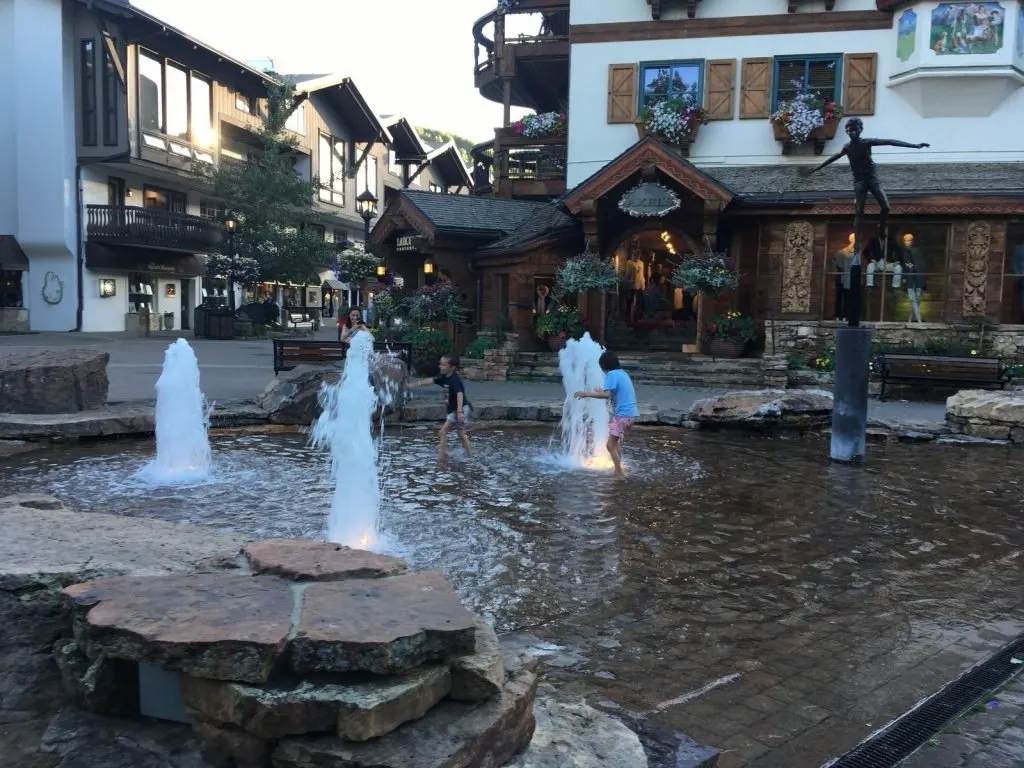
[[436, 188], [201, 104], [164, 199], [332, 169], [297, 120], [501, 307], [394, 167], [367, 176], [210, 209], [151, 93], [115, 191], [819, 74], [110, 90], [1013, 276], [671, 80], [243, 103], [319, 230], [89, 93], [176, 102], [10, 289]]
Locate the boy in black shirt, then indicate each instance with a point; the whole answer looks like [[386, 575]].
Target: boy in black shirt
[[458, 403]]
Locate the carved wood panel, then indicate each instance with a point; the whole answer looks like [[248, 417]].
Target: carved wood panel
[[797, 263], [979, 246]]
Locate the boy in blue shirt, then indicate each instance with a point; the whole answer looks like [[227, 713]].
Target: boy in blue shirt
[[618, 388]]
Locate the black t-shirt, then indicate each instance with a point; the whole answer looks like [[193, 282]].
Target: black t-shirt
[[455, 385]]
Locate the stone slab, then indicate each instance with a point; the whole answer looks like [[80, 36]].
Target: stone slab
[[293, 397], [452, 735], [479, 675], [216, 625], [761, 409], [384, 626], [355, 711], [304, 560], [53, 381]]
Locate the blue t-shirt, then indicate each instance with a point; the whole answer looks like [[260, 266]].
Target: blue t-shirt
[[623, 395]]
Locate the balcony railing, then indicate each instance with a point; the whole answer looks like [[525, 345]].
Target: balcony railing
[[152, 227], [515, 166]]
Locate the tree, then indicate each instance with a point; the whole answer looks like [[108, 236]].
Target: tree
[[274, 206]]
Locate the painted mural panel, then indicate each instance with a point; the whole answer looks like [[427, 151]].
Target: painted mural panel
[[906, 40], [967, 28]]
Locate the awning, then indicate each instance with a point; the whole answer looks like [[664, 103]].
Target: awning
[[332, 285], [11, 255], [125, 258]]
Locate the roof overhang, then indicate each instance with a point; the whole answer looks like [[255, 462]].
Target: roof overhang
[[447, 161], [649, 154], [401, 216], [127, 258], [405, 142], [341, 93]]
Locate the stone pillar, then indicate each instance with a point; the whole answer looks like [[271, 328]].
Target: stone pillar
[[775, 369]]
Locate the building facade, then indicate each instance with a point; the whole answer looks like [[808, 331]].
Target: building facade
[[946, 74]]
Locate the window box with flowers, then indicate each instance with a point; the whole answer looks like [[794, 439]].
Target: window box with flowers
[[560, 326], [546, 125], [807, 118], [730, 334], [675, 121]]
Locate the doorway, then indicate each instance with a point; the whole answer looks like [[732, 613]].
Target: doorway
[[186, 305]]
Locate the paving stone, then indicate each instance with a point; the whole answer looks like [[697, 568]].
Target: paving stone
[[301, 560], [219, 626], [353, 710], [479, 675]]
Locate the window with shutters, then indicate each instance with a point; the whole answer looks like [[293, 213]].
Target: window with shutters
[[671, 80], [819, 74]]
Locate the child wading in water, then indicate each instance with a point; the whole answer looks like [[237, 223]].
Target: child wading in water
[[458, 403], [618, 388]]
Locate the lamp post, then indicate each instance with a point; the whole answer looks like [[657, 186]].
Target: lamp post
[[366, 204], [231, 224]]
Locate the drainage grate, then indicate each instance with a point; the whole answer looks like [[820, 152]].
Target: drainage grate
[[900, 738]]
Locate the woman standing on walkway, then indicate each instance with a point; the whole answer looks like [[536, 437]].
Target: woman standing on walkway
[[351, 325]]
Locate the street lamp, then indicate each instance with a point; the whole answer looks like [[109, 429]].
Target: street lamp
[[231, 224], [366, 204], [382, 270], [428, 266]]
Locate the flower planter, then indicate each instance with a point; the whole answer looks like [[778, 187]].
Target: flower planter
[[683, 147], [726, 348], [556, 343], [817, 139]]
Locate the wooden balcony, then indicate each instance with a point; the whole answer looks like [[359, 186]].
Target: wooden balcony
[[525, 70], [529, 168], [152, 228]]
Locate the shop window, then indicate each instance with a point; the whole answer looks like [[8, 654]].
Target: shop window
[[88, 95], [818, 74], [1013, 276], [141, 290], [11, 295], [660, 81], [906, 284]]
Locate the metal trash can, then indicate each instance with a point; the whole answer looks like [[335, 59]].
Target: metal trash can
[[168, 321]]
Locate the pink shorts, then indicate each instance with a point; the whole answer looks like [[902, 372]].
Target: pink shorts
[[620, 426]]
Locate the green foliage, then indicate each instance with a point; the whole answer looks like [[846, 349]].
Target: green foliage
[[388, 304], [501, 329], [476, 348], [428, 344], [275, 208], [795, 363], [354, 265], [565, 323], [826, 361], [462, 144], [710, 273], [732, 326], [586, 272], [440, 301]]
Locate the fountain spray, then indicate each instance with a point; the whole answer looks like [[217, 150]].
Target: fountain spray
[[584, 424]]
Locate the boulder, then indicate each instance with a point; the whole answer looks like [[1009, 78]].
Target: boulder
[[766, 409], [383, 626], [452, 735], [987, 414], [53, 381], [293, 397], [479, 675], [303, 560], [570, 734], [388, 374], [355, 711]]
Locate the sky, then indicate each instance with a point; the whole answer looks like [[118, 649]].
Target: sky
[[406, 56]]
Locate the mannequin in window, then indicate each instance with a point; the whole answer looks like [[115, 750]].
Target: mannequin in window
[[841, 261], [544, 303], [1017, 265], [913, 279]]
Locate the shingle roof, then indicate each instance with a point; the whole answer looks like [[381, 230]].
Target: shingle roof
[[788, 182], [471, 215], [550, 219]]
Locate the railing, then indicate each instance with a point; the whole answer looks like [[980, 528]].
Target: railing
[[554, 27], [520, 159], [153, 227], [483, 168]]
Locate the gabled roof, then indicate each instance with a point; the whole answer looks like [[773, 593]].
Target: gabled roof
[[447, 161], [405, 141], [548, 221], [341, 93], [463, 214]]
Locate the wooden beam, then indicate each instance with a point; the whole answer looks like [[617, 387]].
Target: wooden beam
[[354, 169], [115, 56]]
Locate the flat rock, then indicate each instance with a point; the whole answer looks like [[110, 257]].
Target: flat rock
[[53, 381], [108, 421], [303, 560], [766, 409], [293, 397], [571, 734], [215, 625], [355, 711], [479, 675], [452, 735], [384, 626]]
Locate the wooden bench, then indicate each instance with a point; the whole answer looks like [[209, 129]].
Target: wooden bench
[[289, 353], [302, 316], [978, 371]]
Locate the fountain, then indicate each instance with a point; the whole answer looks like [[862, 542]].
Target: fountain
[[345, 427], [584, 424], [182, 422]]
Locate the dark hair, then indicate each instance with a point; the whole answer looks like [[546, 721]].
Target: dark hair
[[609, 361], [855, 121], [453, 361], [348, 313]]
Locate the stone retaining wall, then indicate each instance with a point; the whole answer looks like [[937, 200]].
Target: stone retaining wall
[[986, 414], [495, 364]]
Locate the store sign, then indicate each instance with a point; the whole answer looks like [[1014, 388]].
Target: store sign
[[406, 243], [649, 201]]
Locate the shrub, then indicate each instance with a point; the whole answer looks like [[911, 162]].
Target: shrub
[[732, 326], [565, 323], [475, 350]]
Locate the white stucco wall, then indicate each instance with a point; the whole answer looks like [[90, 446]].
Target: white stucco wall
[[618, 11], [8, 164], [980, 137]]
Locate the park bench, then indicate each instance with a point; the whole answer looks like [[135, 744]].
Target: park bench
[[977, 371], [289, 353], [304, 317]]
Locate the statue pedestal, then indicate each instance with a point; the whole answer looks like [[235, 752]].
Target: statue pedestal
[[850, 404]]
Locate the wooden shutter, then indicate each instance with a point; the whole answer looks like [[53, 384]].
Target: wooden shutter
[[720, 91], [622, 93], [756, 89], [860, 75]]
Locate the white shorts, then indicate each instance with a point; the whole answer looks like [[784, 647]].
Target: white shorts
[[465, 418]]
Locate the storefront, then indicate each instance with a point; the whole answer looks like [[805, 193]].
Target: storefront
[[13, 266]]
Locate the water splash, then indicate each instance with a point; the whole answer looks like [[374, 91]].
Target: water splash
[[584, 424], [182, 422], [346, 427]]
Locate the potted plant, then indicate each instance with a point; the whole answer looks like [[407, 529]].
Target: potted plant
[[543, 125], [729, 334], [586, 272], [559, 326], [808, 116], [710, 273], [354, 265], [675, 120]]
